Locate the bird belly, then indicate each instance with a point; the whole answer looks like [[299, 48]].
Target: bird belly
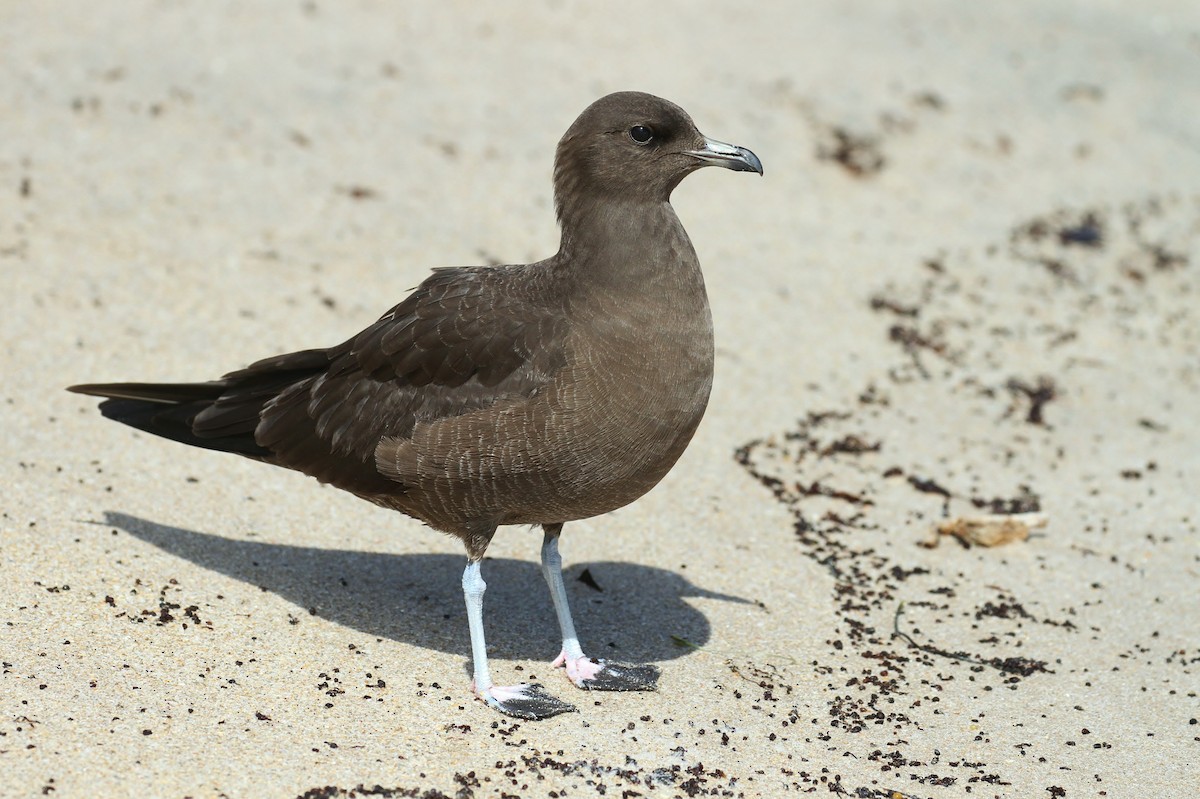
[[628, 435], [601, 435]]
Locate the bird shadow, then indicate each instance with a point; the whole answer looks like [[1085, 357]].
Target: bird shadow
[[622, 610]]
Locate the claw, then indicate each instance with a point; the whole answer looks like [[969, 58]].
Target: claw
[[524, 701], [604, 675]]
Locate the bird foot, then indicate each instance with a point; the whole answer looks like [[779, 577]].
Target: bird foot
[[524, 701], [604, 675]]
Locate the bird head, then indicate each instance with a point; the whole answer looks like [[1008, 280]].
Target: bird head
[[635, 147]]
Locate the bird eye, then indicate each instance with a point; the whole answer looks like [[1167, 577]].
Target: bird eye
[[641, 134]]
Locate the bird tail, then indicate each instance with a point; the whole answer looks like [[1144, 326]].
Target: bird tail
[[219, 415]]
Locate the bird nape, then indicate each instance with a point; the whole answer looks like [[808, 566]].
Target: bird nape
[[524, 394]]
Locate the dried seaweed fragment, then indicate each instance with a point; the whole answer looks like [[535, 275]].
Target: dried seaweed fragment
[[988, 530]]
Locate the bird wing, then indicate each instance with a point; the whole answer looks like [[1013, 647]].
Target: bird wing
[[465, 339]]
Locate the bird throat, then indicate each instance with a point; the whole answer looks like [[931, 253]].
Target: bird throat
[[638, 247]]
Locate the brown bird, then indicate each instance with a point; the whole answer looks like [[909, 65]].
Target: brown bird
[[523, 394]]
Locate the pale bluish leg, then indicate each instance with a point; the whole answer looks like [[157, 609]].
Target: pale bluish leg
[[522, 701], [473, 588], [586, 672], [552, 571]]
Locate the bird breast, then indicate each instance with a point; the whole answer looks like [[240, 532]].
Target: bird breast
[[646, 398], [607, 427], [639, 374]]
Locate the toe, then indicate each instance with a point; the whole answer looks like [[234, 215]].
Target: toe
[[606, 675], [525, 702]]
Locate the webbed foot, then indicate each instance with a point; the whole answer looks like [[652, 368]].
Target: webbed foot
[[524, 701], [605, 675]]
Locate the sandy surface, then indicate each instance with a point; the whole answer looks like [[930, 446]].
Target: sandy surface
[[967, 284]]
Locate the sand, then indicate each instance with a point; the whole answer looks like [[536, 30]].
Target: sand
[[966, 285]]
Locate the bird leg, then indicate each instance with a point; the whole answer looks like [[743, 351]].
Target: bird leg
[[522, 701], [586, 672]]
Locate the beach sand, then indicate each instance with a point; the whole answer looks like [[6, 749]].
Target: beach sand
[[966, 285]]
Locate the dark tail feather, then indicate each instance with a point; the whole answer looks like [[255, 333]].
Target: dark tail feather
[[169, 410], [175, 422], [165, 393], [219, 415]]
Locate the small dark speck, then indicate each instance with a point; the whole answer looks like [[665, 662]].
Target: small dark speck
[[147, 732], [881, 303], [929, 100], [1038, 395], [26, 187], [859, 155], [1088, 233], [358, 192], [927, 486], [587, 579]]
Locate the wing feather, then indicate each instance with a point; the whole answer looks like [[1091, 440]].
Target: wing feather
[[465, 339]]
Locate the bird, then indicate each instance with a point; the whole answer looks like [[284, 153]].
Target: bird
[[522, 394]]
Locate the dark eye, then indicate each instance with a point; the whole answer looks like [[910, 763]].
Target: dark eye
[[641, 134]]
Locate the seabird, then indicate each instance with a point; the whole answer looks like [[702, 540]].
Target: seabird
[[522, 394]]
